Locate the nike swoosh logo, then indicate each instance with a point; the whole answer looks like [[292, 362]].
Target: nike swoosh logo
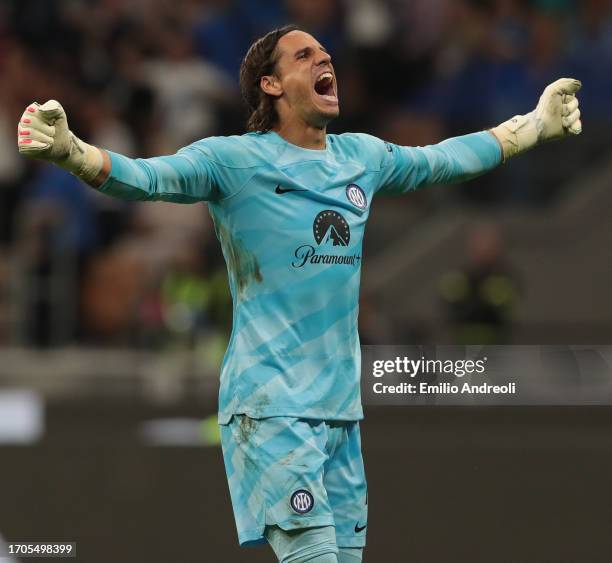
[[281, 191], [360, 528]]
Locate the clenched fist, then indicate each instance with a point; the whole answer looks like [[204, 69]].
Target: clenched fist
[[43, 134], [556, 116]]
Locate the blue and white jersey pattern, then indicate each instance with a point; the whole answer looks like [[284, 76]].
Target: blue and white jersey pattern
[[291, 223]]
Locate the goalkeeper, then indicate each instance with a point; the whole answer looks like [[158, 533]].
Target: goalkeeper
[[290, 203]]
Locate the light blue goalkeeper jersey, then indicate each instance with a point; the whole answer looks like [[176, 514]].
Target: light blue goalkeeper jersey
[[291, 223]]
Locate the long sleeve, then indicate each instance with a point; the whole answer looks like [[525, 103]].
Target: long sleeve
[[186, 177], [454, 160]]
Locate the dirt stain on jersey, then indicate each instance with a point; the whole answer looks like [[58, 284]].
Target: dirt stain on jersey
[[288, 458], [247, 427], [261, 404], [242, 263]]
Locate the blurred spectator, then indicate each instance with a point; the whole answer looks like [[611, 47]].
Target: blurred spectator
[[187, 89], [590, 54], [195, 297], [480, 298], [222, 33], [113, 286], [56, 234]]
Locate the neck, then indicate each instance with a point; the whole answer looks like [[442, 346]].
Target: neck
[[302, 135]]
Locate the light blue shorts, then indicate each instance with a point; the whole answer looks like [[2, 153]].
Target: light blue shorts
[[295, 473]]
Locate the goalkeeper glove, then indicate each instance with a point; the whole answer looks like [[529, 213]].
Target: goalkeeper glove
[[43, 134], [556, 116]]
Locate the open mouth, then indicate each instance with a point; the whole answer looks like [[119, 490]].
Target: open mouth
[[324, 87]]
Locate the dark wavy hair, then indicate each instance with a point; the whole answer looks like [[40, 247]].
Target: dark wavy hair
[[260, 60]]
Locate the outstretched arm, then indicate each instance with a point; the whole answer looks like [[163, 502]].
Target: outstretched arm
[[454, 160], [462, 158], [43, 134]]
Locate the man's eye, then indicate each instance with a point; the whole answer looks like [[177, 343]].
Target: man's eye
[[302, 56]]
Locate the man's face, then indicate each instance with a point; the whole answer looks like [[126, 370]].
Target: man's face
[[305, 79]]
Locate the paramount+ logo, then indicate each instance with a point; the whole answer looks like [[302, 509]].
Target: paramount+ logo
[[330, 232]]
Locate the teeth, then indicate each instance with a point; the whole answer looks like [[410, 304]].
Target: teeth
[[325, 75]]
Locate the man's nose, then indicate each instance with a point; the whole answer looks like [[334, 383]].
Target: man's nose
[[324, 58]]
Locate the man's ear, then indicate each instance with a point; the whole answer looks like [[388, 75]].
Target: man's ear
[[271, 85]]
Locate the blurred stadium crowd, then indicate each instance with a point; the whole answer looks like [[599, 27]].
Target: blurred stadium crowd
[[145, 77]]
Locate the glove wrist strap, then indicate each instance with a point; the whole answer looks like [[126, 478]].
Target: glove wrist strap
[[517, 135], [84, 161]]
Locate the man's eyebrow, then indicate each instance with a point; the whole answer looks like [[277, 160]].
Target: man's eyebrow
[[309, 50]]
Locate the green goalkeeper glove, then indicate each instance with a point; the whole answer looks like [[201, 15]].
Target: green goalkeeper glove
[[43, 134], [556, 116]]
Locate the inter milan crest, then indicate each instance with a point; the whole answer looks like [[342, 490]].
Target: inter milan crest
[[302, 501], [331, 229], [356, 196]]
